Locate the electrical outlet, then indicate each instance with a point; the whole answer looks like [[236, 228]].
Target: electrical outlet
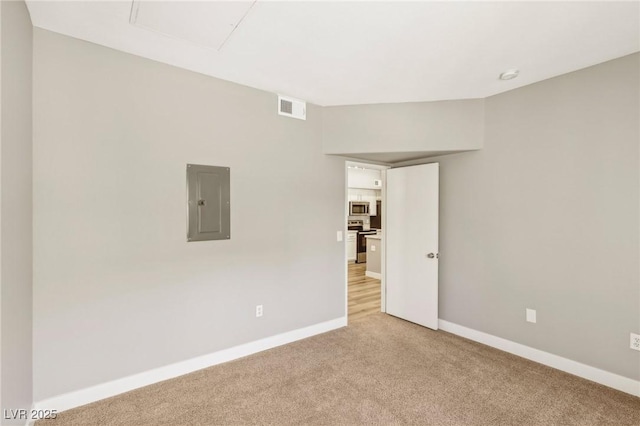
[[339, 236], [258, 311], [635, 342], [531, 315], [373, 248]]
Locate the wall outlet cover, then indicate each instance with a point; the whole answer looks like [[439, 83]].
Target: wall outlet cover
[[531, 315], [635, 342]]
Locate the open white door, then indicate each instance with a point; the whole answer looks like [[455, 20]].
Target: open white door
[[412, 244]]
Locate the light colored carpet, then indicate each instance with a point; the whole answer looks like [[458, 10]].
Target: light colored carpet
[[379, 370]]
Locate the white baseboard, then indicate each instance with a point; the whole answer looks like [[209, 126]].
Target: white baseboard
[[105, 390], [594, 374], [31, 422], [375, 275]]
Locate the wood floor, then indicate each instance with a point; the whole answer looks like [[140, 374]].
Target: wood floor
[[364, 292]]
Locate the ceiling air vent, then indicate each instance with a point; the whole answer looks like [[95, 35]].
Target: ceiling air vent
[[291, 107]]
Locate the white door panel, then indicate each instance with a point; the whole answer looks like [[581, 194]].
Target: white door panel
[[412, 235]]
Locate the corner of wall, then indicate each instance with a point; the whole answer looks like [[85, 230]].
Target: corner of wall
[[16, 208]]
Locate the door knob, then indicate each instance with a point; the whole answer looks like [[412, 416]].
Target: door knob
[[433, 255], [202, 202]]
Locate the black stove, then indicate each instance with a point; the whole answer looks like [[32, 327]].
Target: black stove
[[361, 245]]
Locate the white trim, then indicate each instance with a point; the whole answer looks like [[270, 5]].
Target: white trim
[[383, 252], [346, 230], [594, 374], [30, 421], [375, 275], [105, 390]]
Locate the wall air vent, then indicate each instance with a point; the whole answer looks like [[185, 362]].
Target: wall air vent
[[291, 107]]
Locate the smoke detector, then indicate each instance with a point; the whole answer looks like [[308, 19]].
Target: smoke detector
[[509, 74], [292, 107]]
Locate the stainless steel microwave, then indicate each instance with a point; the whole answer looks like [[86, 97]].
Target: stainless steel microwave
[[358, 208]]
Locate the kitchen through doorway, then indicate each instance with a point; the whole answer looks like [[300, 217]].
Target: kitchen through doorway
[[365, 207]]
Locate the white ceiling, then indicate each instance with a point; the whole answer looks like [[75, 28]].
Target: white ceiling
[[340, 53]]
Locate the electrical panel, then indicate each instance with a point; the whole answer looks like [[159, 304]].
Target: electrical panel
[[209, 204]]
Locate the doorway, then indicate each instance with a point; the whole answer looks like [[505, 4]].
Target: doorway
[[398, 273], [364, 213]]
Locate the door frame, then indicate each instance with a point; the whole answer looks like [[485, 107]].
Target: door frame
[[383, 176]]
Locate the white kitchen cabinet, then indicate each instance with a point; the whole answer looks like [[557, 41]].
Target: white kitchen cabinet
[[364, 178], [352, 241], [354, 194], [370, 196]]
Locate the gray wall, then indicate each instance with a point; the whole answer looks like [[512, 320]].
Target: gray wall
[[117, 289], [546, 217], [411, 128], [16, 206]]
